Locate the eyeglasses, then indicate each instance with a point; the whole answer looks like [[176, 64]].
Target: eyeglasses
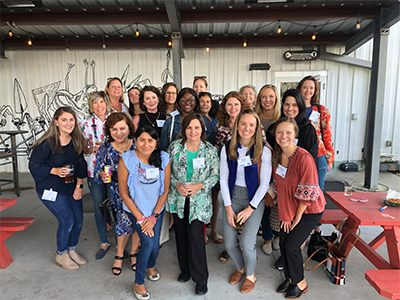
[[183, 100], [200, 77], [170, 93], [142, 176]]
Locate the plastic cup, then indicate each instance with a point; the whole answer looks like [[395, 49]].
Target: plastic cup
[[70, 176], [348, 187]]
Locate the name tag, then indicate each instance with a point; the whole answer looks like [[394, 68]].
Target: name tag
[[295, 141], [198, 163], [152, 173], [49, 195], [160, 123], [314, 116], [244, 161], [174, 113], [281, 171]]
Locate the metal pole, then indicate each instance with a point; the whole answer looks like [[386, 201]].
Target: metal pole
[[176, 58], [373, 133]]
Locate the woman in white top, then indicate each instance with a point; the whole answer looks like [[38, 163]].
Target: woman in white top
[[114, 91], [245, 174]]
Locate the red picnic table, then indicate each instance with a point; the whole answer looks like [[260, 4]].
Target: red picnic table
[[9, 226], [386, 280]]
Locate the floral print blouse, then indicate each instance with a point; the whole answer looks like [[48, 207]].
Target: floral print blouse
[[325, 146]]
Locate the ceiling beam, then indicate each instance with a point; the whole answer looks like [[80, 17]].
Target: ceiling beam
[[189, 16], [161, 42], [173, 16]]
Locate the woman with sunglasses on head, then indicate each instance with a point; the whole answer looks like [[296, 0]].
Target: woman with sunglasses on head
[[119, 131], [300, 201], [115, 93], [93, 136], [144, 180], [200, 85], [134, 106], [188, 102], [245, 176], [268, 109], [194, 171], [169, 93], [153, 106], [60, 145]]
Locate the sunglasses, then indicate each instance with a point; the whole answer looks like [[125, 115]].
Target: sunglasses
[[200, 77]]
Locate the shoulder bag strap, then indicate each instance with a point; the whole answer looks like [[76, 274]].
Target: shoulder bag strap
[[320, 123]]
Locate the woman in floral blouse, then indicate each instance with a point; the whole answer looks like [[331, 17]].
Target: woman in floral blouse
[[93, 136], [194, 171]]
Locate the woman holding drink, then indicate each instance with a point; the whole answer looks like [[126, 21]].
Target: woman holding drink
[[119, 131], [55, 155], [93, 137]]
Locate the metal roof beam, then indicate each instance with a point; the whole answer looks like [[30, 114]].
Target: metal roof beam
[[173, 15], [343, 59]]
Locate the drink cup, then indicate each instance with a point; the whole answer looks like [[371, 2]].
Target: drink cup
[[107, 170], [70, 176], [98, 144], [348, 187], [238, 225]]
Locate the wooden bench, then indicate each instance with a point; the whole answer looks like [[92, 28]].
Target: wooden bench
[[9, 226], [332, 216], [385, 281]]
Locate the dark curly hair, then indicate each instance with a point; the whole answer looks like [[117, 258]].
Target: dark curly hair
[[114, 118]]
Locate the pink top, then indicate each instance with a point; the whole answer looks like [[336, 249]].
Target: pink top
[[299, 185]]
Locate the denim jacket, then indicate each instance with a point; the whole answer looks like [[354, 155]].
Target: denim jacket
[[200, 206]]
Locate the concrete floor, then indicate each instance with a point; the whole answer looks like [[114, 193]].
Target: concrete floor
[[34, 274]]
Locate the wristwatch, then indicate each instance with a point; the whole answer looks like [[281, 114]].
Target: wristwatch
[[155, 215], [79, 186]]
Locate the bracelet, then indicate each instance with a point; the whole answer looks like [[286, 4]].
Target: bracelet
[[141, 220], [79, 186], [153, 219]]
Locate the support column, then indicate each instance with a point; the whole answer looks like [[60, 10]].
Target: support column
[[373, 134], [176, 58]]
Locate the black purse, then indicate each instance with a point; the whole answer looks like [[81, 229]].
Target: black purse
[[317, 241], [107, 209]]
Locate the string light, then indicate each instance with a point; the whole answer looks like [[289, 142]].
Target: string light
[[137, 30], [104, 43], [66, 45], [208, 47], [358, 25], [279, 28], [314, 36], [244, 42], [169, 43], [30, 41], [10, 33]]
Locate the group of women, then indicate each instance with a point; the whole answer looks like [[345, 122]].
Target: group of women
[[177, 151]]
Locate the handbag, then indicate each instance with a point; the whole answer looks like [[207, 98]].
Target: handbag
[[317, 241], [107, 209], [335, 262]]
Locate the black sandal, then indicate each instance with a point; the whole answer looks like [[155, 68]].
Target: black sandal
[[117, 268], [133, 265]]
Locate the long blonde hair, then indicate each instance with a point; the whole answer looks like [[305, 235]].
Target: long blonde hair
[[256, 140], [277, 153], [259, 108], [53, 135]]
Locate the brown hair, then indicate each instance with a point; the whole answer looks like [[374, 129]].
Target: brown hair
[[315, 97], [185, 123], [121, 99], [277, 153], [256, 140], [153, 89], [164, 90], [259, 108], [115, 118], [53, 135], [222, 116], [204, 78]]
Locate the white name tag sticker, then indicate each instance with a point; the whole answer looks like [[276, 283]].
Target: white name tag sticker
[[160, 123], [295, 141], [49, 195], [199, 163], [152, 173], [244, 161], [314, 116], [174, 113], [281, 171]]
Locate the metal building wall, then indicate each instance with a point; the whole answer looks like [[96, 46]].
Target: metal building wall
[[347, 86]]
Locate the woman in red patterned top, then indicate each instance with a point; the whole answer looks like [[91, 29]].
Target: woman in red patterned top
[[321, 119], [300, 201]]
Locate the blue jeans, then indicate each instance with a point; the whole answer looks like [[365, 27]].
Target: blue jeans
[[267, 232], [69, 214], [322, 170], [150, 246], [99, 193]]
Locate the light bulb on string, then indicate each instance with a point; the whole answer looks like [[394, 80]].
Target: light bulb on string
[[10, 33], [208, 46], [30, 42], [279, 28], [66, 45], [358, 25], [314, 36], [104, 43], [169, 43], [137, 30], [245, 42]]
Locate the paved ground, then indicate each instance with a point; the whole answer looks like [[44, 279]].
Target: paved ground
[[34, 274]]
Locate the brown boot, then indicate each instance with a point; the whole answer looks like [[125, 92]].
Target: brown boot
[[77, 258], [66, 262]]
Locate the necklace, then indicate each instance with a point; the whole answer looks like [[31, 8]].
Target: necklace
[[126, 148], [152, 123]]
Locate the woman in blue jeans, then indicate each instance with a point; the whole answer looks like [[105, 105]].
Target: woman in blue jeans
[[59, 146], [144, 178], [93, 136]]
